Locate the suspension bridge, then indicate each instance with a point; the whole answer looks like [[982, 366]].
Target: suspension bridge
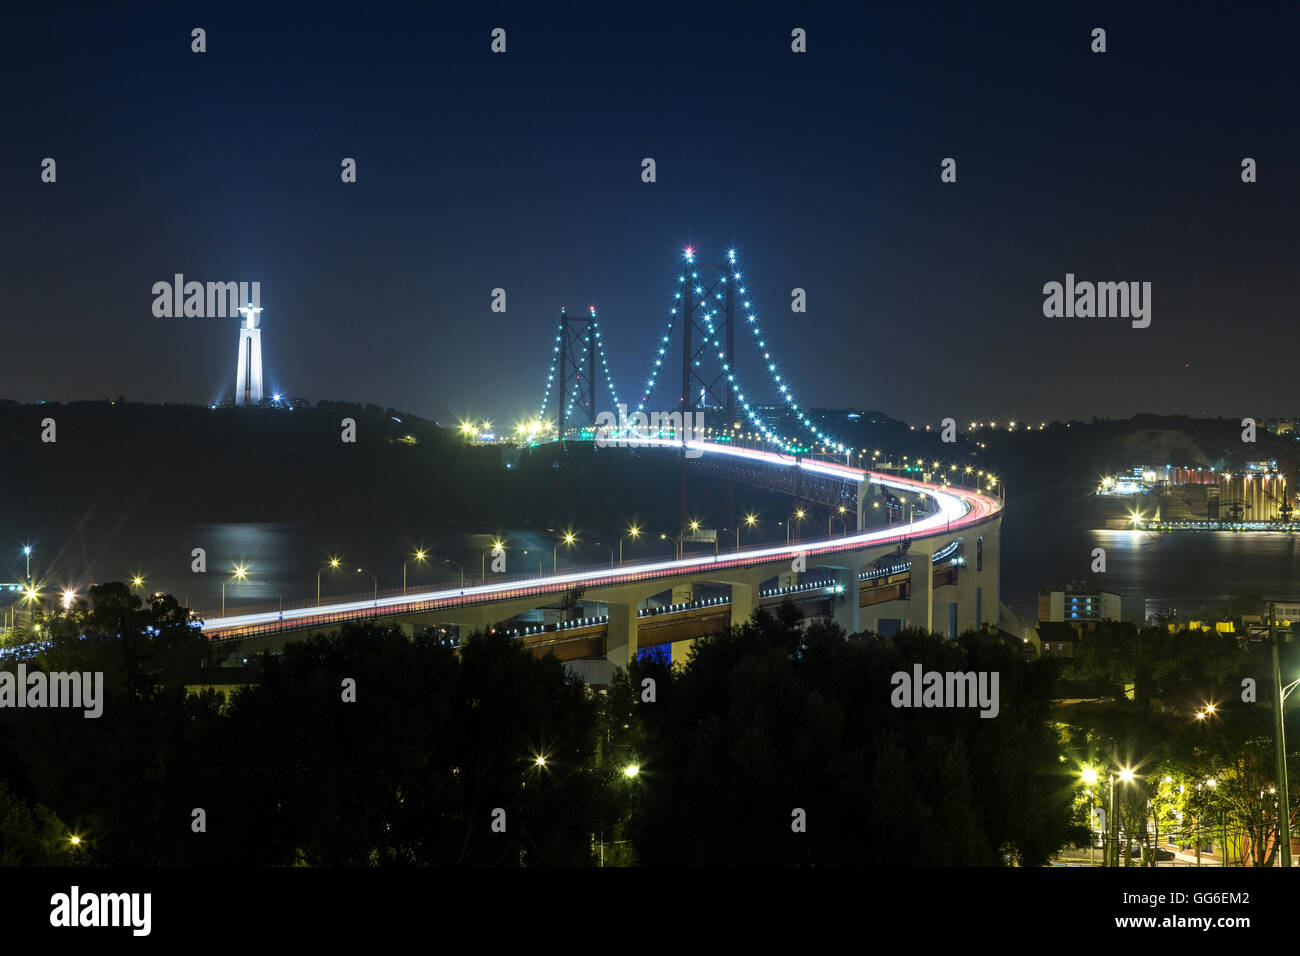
[[938, 571]]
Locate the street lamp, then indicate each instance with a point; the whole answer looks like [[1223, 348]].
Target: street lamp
[[677, 544], [844, 524], [372, 578], [750, 521], [137, 582], [539, 562], [693, 527], [278, 591], [1089, 776], [1126, 775], [1279, 739], [497, 545], [240, 573], [332, 566], [632, 532], [27, 553], [610, 550], [418, 556], [569, 538], [799, 515], [462, 570]]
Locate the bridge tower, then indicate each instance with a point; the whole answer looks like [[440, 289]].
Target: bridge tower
[[708, 327], [708, 342], [574, 331]]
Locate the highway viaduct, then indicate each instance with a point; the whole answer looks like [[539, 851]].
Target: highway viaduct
[[957, 542]]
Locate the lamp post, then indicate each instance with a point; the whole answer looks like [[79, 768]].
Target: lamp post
[[240, 573], [462, 570], [843, 524], [277, 589], [799, 514], [372, 578], [1089, 776], [750, 521], [27, 553], [1279, 735], [332, 566], [569, 538], [539, 562], [1126, 776], [497, 545], [418, 556], [632, 532], [610, 550], [693, 527]]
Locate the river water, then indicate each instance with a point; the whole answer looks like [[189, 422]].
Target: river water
[[1180, 570]]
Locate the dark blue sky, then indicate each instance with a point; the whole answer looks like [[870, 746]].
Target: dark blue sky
[[522, 171]]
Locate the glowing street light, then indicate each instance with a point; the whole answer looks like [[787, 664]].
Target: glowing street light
[[569, 538], [631, 770], [1126, 775], [539, 562], [798, 515], [240, 573], [418, 556], [632, 532], [372, 578], [27, 553], [332, 566], [750, 521], [457, 565], [831, 517], [137, 582], [497, 545]]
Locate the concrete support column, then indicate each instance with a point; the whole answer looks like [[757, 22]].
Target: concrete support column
[[742, 604], [921, 612], [683, 594], [989, 579], [620, 636], [863, 489], [847, 612], [966, 591]]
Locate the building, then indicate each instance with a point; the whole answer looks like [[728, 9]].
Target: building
[[1079, 604], [1055, 639]]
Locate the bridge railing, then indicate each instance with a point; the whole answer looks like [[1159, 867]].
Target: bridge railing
[[616, 576]]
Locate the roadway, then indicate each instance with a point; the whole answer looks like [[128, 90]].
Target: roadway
[[955, 509]]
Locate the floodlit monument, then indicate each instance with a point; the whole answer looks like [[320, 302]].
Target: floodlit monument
[[248, 381]]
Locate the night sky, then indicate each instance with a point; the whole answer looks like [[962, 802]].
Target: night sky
[[523, 171]]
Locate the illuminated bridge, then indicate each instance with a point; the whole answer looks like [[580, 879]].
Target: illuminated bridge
[[860, 579], [938, 571]]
